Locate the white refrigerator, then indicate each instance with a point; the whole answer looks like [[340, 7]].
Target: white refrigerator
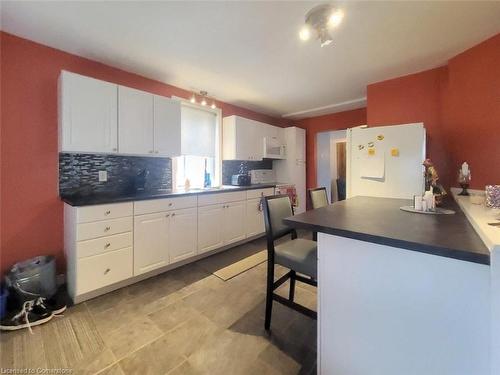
[[292, 170], [385, 161]]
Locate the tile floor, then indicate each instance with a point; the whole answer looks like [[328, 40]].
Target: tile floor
[[185, 321]]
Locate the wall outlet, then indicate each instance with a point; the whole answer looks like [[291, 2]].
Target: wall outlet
[[103, 176]]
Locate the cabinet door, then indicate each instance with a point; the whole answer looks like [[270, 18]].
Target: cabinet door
[[167, 126], [234, 222], [245, 139], [210, 227], [150, 242], [87, 114], [135, 121], [254, 224], [183, 234]]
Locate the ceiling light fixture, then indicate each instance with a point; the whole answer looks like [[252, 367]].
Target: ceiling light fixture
[[203, 97], [321, 19], [304, 33]]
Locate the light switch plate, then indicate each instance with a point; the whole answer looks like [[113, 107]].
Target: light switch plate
[[103, 176]]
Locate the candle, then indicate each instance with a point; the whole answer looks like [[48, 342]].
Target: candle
[[465, 169]]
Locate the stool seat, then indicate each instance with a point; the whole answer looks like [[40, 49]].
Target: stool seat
[[299, 255]]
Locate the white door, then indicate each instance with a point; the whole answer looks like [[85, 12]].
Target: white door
[[210, 223], [88, 114], [167, 126], [183, 234], [254, 218], [234, 222], [135, 121], [150, 242]]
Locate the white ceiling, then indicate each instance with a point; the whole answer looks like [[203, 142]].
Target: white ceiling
[[248, 53]]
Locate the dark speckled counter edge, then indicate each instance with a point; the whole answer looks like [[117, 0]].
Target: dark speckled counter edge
[[79, 201], [422, 248]]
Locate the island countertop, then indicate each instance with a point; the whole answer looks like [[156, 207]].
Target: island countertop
[[380, 221]]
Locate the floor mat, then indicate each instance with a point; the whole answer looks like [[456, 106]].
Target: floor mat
[[241, 266]]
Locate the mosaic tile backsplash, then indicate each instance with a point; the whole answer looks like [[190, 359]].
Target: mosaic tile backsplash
[[230, 167], [79, 174]]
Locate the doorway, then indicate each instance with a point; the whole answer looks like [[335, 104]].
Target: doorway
[[331, 163]]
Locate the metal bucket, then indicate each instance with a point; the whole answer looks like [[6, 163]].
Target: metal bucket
[[34, 277]]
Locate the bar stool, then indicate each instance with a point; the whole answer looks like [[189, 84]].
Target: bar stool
[[319, 198], [299, 255]]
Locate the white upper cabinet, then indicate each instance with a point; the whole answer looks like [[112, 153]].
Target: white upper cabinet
[[167, 126], [135, 121], [98, 116], [87, 114], [243, 139]]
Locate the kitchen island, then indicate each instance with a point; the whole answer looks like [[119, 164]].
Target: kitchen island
[[399, 292]]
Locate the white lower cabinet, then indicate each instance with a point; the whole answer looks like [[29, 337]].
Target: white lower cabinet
[[220, 225], [101, 270], [99, 252], [254, 218], [183, 233], [210, 231], [163, 238], [234, 222], [150, 242], [108, 244]]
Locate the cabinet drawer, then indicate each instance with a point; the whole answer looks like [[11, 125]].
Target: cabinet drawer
[[104, 212], [257, 193], [159, 205], [104, 269], [103, 244], [103, 228], [216, 198]]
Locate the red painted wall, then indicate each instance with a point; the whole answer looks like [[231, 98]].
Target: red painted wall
[[315, 125], [32, 214], [460, 106], [413, 98], [471, 112]]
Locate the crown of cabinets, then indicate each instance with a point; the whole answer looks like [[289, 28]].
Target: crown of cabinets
[[102, 117], [244, 138]]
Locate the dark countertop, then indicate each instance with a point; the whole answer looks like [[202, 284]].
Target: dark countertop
[[379, 220], [93, 199]]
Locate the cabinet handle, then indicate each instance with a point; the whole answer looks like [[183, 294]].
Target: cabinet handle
[[173, 214], [170, 205], [107, 271], [115, 149], [167, 215], [107, 245], [107, 212], [107, 228], [157, 152], [150, 151]]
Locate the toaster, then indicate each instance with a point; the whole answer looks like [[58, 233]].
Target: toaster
[[240, 180]]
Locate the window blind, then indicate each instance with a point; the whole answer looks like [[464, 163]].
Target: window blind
[[198, 132]]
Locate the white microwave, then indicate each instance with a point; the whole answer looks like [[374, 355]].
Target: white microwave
[[273, 149]]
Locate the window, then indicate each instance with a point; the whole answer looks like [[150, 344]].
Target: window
[[200, 147]]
